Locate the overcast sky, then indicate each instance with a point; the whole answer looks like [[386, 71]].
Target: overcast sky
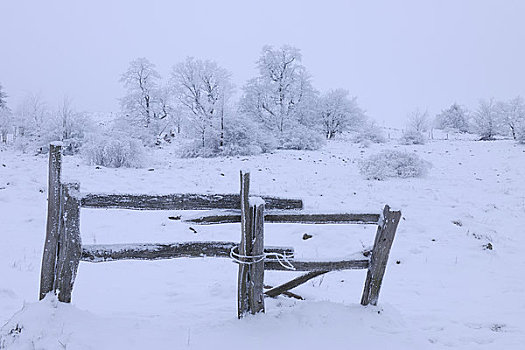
[[394, 55]]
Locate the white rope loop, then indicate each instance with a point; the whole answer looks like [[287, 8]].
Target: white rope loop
[[282, 259], [245, 259]]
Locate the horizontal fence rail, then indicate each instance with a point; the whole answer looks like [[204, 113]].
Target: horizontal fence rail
[[180, 201], [303, 265], [289, 218], [157, 251]]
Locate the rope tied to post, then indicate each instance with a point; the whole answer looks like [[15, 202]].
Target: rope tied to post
[[282, 259]]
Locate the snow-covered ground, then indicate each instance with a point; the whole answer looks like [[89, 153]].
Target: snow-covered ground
[[442, 287]]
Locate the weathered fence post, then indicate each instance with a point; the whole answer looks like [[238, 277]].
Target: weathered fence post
[[256, 270], [251, 265], [47, 273], [382, 244], [70, 245], [244, 246]]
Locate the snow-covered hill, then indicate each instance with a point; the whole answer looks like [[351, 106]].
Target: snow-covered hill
[[443, 287]]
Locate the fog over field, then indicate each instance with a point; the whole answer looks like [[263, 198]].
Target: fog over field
[[394, 56]]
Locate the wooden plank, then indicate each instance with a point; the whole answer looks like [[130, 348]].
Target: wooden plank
[[302, 265], [70, 248], [47, 272], [382, 244], [294, 283], [244, 246], [287, 293], [157, 251], [180, 201], [212, 219], [346, 218], [256, 270]]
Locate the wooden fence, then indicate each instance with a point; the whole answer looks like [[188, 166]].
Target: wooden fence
[[63, 250]]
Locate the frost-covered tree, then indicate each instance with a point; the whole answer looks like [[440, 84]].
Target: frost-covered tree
[[68, 125], [520, 132], [141, 81], [3, 98], [338, 112], [418, 121], [282, 95], [487, 120], [31, 113], [203, 89], [168, 115], [512, 114], [5, 116], [453, 118]]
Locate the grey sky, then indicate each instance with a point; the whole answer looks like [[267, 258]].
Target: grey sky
[[393, 55]]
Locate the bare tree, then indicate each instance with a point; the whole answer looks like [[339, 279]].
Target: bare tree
[[487, 120], [141, 81], [31, 113], [5, 116], [203, 88], [280, 95], [418, 121], [68, 125], [512, 113], [3, 98], [338, 112]]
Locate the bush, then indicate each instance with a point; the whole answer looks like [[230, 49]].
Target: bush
[[371, 133], [242, 136], [412, 137], [194, 149], [115, 151], [299, 137], [390, 163]]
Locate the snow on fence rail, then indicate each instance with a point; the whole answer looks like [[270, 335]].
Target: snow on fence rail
[[63, 250], [157, 251], [180, 201]]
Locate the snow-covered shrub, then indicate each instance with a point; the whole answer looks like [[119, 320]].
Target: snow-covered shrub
[[412, 137], [195, 149], [241, 136], [371, 133], [300, 137], [391, 163], [118, 150]]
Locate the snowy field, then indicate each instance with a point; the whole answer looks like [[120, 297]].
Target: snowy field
[[442, 289]]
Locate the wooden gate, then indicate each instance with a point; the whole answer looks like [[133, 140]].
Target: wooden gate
[[63, 250]]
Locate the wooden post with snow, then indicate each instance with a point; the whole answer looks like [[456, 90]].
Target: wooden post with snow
[[47, 273], [256, 270], [244, 246], [250, 287], [70, 246], [382, 244]]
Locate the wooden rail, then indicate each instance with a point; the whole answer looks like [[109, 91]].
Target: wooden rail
[[289, 218], [305, 265], [180, 201], [155, 251]]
